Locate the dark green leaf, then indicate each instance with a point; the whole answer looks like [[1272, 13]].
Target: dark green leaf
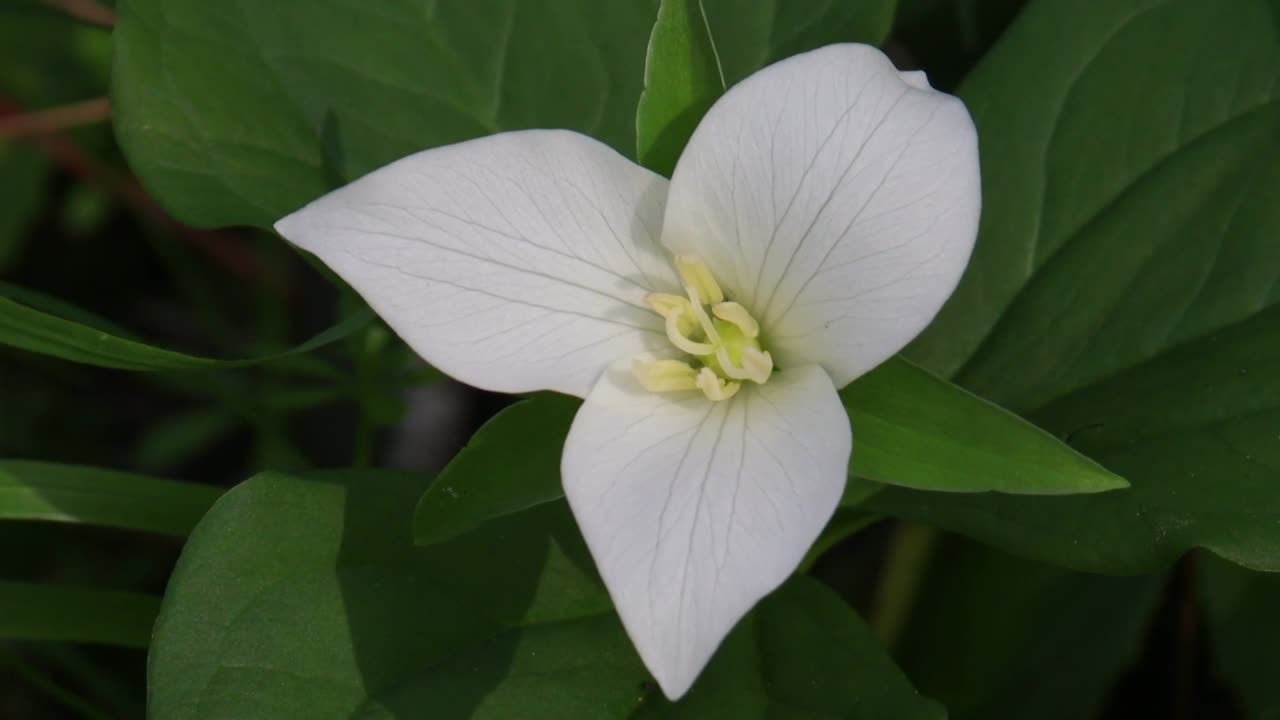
[[993, 636], [1240, 608], [682, 79], [482, 482], [70, 493], [30, 329], [66, 614], [242, 117], [307, 596], [750, 34], [1124, 292], [913, 429]]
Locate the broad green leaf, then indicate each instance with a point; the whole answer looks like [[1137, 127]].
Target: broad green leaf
[[1240, 613], [1124, 292], [682, 78], [750, 34], [482, 482], [686, 70], [29, 329], [993, 636], [307, 594], [32, 490], [911, 428], [242, 117], [68, 614]]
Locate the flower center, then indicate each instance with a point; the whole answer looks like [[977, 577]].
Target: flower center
[[720, 335]]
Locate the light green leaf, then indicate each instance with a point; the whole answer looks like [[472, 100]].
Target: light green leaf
[[308, 594], [32, 490], [242, 117], [1240, 612], [1124, 292], [993, 636], [67, 614], [911, 428], [29, 329], [682, 78]]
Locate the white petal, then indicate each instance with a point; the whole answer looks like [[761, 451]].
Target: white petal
[[695, 510], [834, 197], [515, 262]]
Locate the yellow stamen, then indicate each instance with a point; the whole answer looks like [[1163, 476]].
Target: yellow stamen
[[732, 312], [665, 303], [725, 348], [697, 276], [715, 387], [679, 326], [665, 375]]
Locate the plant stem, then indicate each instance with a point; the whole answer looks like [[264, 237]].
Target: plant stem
[[910, 551]]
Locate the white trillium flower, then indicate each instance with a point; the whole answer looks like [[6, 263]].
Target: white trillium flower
[[820, 215]]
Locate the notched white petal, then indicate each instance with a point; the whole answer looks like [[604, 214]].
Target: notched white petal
[[694, 510], [515, 262], [837, 198]]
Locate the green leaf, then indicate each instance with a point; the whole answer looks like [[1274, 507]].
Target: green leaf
[[913, 429], [30, 329], [66, 614], [1240, 610], [910, 428], [70, 493], [482, 483], [682, 79], [242, 117], [307, 594], [1123, 294], [992, 636], [750, 34]]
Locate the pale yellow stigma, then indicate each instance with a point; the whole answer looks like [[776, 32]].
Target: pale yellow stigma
[[725, 343]]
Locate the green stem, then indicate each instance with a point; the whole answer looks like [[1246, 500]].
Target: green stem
[[910, 551]]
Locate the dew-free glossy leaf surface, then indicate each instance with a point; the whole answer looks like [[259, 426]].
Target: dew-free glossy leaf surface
[[241, 112], [307, 597], [1125, 288], [32, 490]]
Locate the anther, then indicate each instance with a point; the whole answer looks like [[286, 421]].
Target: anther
[[697, 276], [732, 312], [665, 375], [715, 387]]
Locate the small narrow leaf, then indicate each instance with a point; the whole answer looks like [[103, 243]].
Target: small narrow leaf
[[29, 329], [914, 429], [67, 614], [482, 483], [73, 494], [910, 428], [682, 78]]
